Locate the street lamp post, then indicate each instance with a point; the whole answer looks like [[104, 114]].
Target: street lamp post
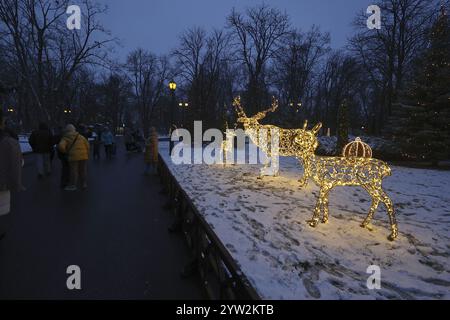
[[183, 106], [172, 87]]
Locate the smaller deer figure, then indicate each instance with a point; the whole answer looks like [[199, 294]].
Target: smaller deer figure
[[329, 172], [227, 145]]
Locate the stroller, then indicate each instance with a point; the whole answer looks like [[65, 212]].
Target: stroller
[[131, 144]]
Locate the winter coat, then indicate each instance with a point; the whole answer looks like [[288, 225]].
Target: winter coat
[[41, 141], [128, 137], [10, 163], [151, 149], [107, 138], [80, 149]]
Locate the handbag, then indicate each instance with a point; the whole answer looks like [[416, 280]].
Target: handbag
[[65, 156], [5, 202]]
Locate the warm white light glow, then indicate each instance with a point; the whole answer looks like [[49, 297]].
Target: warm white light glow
[[355, 168]]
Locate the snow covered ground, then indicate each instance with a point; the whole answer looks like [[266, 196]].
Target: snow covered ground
[[263, 225]]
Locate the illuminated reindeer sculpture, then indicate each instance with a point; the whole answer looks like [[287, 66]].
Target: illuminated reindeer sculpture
[[227, 145], [260, 135], [352, 169]]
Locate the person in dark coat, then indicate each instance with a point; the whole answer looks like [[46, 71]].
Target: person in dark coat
[[42, 143], [151, 152], [10, 173], [108, 142], [96, 143], [64, 180]]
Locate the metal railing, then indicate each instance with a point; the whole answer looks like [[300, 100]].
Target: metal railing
[[221, 276]]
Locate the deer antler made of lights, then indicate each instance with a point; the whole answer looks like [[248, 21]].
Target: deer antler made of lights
[[352, 169], [287, 147]]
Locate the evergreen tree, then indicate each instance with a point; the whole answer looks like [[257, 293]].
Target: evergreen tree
[[422, 123], [342, 127]]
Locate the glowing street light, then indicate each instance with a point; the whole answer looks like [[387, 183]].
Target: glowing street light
[[298, 104], [172, 86]]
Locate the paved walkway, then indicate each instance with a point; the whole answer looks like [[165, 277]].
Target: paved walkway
[[116, 232]]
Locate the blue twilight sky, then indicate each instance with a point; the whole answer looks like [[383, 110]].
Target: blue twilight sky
[[156, 24]]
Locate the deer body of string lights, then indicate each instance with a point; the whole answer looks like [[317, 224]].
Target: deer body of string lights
[[355, 168], [350, 170], [261, 136]]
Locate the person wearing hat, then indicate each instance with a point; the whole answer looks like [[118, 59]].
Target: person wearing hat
[[75, 148], [10, 173]]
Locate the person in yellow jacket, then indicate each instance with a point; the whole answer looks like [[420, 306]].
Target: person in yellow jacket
[[151, 152], [75, 148]]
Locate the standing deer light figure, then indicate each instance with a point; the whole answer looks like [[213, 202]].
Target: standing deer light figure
[[354, 168], [261, 135], [227, 145]]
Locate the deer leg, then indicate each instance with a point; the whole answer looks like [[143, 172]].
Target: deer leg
[[306, 174], [319, 205], [373, 207], [271, 167], [222, 155], [325, 206], [264, 170], [391, 213]]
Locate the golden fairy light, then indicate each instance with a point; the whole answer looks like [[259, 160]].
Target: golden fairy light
[[355, 168], [262, 136], [357, 149], [227, 145]]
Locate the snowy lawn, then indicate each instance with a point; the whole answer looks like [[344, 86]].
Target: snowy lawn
[[263, 225]]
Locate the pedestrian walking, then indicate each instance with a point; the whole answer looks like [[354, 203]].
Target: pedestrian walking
[[151, 152], [130, 142], [108, 142], [64, 180], [138, 140], [75, 147], [10, 174], [96, 144], [42, 143]]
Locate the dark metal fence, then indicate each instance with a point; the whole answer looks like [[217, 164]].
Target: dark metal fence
[[221, 276]]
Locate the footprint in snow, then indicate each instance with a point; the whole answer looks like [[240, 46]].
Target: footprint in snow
[[312, 289]]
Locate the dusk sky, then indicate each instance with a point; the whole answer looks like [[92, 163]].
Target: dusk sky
[[156, 24]]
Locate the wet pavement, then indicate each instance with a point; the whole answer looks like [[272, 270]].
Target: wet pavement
[[116, 232]]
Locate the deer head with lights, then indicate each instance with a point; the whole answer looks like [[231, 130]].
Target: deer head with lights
[[299, 143]]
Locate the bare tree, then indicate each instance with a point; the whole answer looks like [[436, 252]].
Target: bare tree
[[148, 75], [202, 63], [44, 53], [116, 92], [338, 82], [295, 69], [387, 54], [257, 36]]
